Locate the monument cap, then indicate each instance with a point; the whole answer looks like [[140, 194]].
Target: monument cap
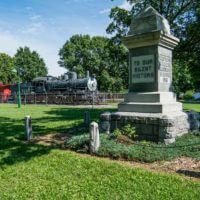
[[149, 20]]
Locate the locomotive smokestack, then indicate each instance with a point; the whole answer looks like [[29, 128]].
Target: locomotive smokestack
[[65, 77], [72, 75], [88, 74]]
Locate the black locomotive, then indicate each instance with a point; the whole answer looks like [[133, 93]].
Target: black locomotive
[[68, 89]]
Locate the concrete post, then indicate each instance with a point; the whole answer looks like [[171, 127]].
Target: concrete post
[[28, 128], [94, 137]]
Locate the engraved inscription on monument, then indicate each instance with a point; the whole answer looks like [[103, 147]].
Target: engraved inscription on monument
[[143, 69], [165, 68]]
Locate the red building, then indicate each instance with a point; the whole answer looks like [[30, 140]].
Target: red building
[[5, 93]]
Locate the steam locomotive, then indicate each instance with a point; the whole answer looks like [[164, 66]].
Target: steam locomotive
[[66, 89]]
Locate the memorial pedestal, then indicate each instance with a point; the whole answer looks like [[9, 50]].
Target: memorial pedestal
[[157, 116], [149, 126], [150, 104]]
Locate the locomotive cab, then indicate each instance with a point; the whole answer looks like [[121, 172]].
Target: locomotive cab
[[40, 83]]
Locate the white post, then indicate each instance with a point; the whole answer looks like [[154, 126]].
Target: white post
[[94, 137], [28, 128]]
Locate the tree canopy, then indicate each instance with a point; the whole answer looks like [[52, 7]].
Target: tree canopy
[[179, 13], [7, 74], [29, 64], [184, 20], [100, 56]]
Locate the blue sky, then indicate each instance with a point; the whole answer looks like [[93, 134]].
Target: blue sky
[[45, 25]]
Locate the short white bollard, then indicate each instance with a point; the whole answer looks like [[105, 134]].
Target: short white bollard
[[28, 128], [94, 137]]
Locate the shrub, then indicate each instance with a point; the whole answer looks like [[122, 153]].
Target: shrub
[[78, 143], [188, 95], [117, 132], [127, 130]]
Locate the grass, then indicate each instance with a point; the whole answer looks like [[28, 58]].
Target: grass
[[31, 171], [64, 175], [46, 119], [192, 106]]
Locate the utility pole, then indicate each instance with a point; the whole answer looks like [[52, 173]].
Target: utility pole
[[18, 94], [18, 88]]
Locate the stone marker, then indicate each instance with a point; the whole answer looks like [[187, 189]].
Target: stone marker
[[28, 128], [94, 137], [105, 122], [150, 105], [87, 118], [193, 118]]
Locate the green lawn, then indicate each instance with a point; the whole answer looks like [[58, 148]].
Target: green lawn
[[30, 171], [192, 106]]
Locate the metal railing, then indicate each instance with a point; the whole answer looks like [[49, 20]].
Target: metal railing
[[70, 98]]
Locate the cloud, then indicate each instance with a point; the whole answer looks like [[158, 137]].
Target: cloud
[[34, 28], [45, 29], [105, 11], [11, 42], [35, 17], [126, 5], [28, 8]]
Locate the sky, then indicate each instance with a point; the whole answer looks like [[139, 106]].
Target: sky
[[45, 25]]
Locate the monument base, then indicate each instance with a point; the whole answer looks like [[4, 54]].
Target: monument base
[[155, 127], [150, 102], [157, 116]]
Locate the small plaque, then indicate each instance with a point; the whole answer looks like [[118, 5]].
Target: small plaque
[[143, 69], [165, 80]]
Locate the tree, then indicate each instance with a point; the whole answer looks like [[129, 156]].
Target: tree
[[7, 75], [29, 64], [182, 78], [98, 55], [179, 13], [184, 20], [189, 49]]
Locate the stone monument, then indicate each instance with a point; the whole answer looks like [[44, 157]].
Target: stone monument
[[150, 105]]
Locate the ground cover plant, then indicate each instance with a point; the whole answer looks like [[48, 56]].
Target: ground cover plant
[[188, 146], [33, 171]]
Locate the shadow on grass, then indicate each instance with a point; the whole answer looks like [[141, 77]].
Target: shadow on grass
[[76, 113], [191, 102], [67, 119], [14, 149], [189, 173]]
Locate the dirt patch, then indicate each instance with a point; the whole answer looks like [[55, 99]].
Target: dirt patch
[[185, 166], [51, 139], [181, 165]]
